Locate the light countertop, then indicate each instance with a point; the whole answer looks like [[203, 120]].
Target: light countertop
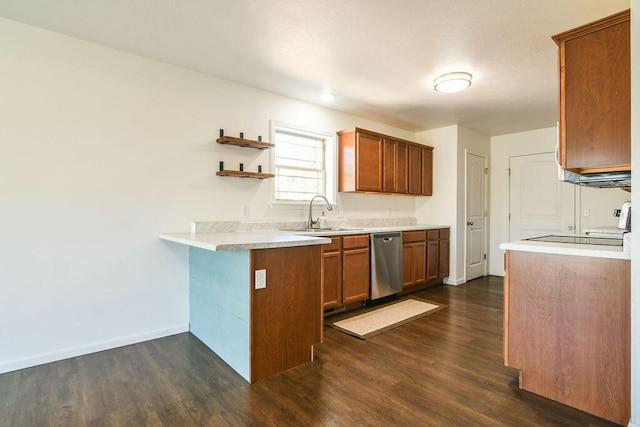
[[597, 251], [266, 239], [236, 241]]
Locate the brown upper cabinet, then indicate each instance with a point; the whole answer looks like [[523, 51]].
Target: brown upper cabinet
[[595, 96], [370, 162]]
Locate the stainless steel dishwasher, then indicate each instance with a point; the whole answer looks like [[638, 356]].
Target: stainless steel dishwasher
[[386, 264]]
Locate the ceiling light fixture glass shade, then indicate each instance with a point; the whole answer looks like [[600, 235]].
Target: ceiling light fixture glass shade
[[327, 97], [452, 82]]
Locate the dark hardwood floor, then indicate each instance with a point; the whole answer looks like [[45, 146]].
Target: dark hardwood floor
[[445, 369]]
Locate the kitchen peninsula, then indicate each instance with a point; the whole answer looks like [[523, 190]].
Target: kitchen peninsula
[[567, 323], [254, 297], [255, 290]]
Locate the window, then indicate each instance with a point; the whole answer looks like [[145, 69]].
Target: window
[[302, 164]]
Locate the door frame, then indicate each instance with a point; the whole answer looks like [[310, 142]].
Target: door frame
[[485, 261]]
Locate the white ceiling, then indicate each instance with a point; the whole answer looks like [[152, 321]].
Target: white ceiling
[[379, 57]]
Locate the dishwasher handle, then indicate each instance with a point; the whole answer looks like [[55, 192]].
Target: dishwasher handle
[[385, 237]]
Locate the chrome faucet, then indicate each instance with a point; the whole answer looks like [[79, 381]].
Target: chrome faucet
[[311, 222]]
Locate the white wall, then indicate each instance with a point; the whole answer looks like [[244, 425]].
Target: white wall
[[101, 151], [447, 206], [441, 208]]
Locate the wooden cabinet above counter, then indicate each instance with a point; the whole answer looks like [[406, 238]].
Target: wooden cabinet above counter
[[370, 162], [595, 96]]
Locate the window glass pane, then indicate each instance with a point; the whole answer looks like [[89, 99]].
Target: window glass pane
[[299, 165]]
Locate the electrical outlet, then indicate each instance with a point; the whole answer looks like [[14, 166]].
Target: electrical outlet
[[261, 279], [245, 211], [617, 212]]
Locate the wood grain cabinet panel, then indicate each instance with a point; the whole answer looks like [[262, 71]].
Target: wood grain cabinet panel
[[443, 254], [389, 156], [369, 165], [595, 96], [433, 259], [415, 170], [414, 261], [402, 167], [426, 172], [286, 316], [567, 329], [332, 273], [355, 279], [408, 261], [395, 166]]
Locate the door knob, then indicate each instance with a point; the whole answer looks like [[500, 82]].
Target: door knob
[[469, 222], [570, 227]]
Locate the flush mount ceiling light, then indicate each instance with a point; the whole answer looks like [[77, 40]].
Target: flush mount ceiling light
[[452, 82]]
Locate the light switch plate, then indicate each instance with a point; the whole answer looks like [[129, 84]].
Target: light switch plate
[[261, 279]]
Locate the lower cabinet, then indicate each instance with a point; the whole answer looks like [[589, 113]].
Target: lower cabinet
[[345, 270], [414, 258], [346, 264], [425, 256]]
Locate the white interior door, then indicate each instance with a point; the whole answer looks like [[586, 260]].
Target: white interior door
[[539, 204], [476, 217]]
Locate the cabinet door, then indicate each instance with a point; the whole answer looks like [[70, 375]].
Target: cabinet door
[[389, 163], [420, 264], [432, 260], [415, 170], [368, 162], [287, 313], [331, 279], [443, 262], [395, 162], [402, 167], [355, 279], [408, 264], [427, 172], [595, 100]]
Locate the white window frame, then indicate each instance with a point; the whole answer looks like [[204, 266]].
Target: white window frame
[[330, 162]]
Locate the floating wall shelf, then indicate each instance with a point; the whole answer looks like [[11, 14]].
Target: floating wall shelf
[[243, 174], [241, 142]]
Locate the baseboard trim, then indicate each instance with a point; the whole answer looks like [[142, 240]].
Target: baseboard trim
[[54, 356]]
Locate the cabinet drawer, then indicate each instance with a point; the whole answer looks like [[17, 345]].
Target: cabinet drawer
[[334, 246], [352, 242], [433, 234], [444, 234], [414, 236]]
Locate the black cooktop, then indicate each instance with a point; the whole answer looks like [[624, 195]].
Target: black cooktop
[[580, 240]]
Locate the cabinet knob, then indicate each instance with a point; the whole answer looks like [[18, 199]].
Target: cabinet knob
[[469, 222]]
